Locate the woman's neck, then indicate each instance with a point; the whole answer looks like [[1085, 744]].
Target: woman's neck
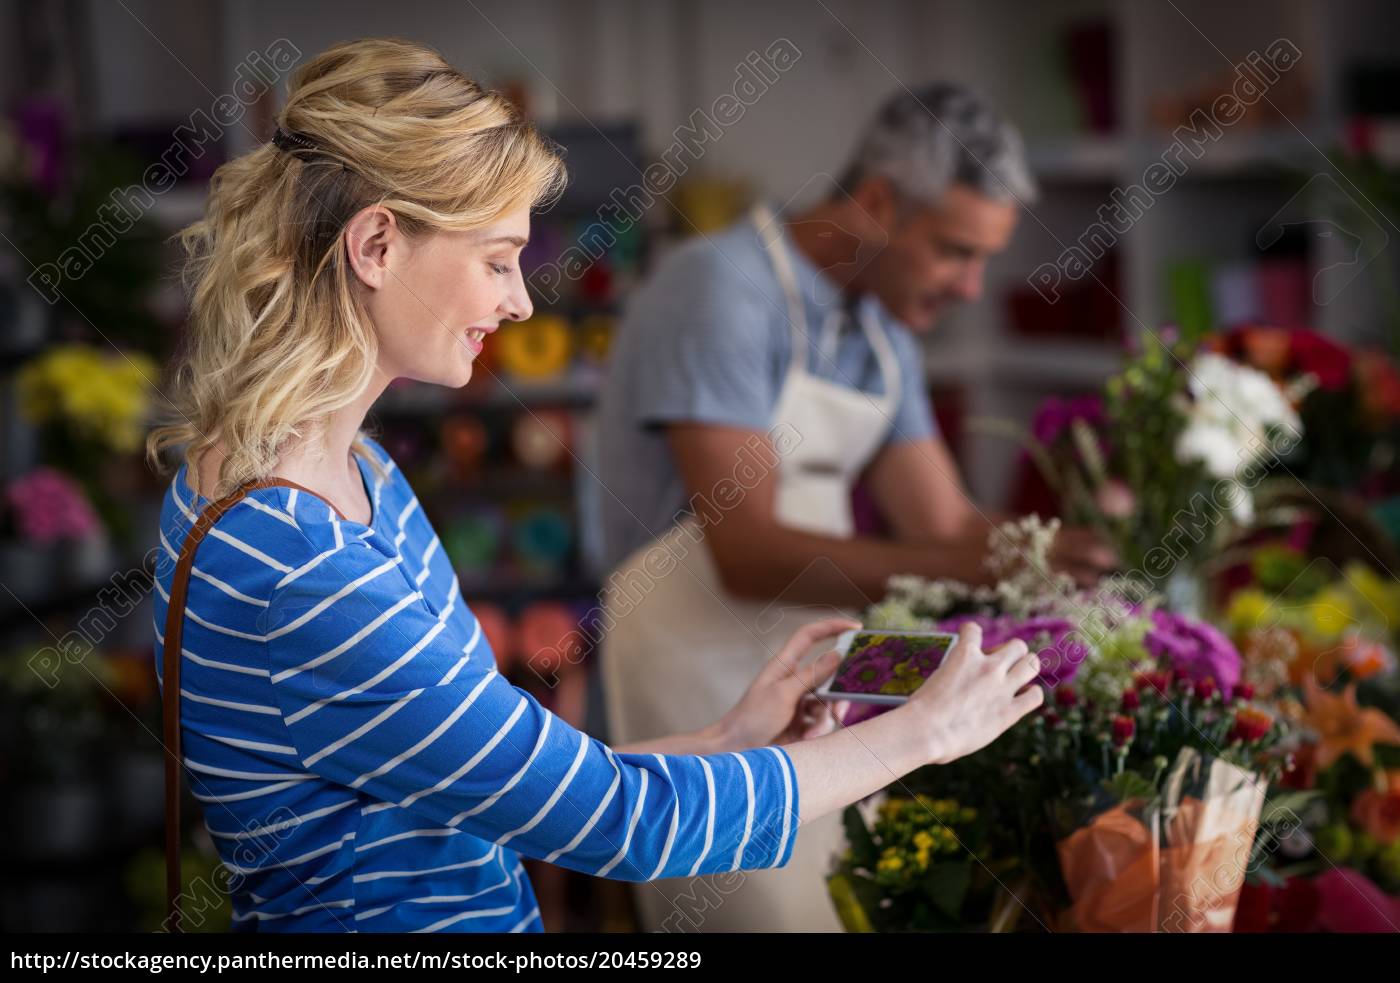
[[322, 460]]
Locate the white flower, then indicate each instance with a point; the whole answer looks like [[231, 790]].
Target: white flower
[[1230, 415]]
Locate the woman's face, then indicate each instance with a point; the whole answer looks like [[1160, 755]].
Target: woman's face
[[435, 299]]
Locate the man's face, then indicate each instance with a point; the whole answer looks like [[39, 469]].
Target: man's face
[[937, 256]]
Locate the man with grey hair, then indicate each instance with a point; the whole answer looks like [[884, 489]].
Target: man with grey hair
[[758, 374]]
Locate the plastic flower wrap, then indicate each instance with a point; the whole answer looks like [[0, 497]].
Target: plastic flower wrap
[[1173, 862], [97, 397]]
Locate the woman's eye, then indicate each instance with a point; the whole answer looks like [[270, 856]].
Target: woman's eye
[[500, 270]]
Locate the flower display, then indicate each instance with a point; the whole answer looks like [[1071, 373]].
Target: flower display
[[98, 397], [1147, 717], [48, 507]]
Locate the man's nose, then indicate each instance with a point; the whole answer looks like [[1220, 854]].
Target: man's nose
[[971, 281]]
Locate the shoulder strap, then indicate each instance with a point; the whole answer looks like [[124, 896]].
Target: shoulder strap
[[170, 675]]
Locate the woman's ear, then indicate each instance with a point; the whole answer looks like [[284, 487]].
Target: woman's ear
[[368, 238]]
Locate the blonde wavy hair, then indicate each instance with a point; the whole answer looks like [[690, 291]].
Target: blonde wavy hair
[[277, 340]]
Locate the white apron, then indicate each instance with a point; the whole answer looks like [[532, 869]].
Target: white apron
[[680, 650]]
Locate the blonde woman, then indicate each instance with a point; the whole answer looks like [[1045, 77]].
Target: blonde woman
[[361, 763]]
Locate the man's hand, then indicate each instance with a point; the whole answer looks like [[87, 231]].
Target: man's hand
[[1083, 554]]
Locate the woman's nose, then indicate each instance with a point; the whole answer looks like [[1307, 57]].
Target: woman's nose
[[517, 304]]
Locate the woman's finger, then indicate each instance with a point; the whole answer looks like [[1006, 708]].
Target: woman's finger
[[789, 658], [818, 670], [1024, 670]]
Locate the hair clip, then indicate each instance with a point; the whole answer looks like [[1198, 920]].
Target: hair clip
[[289, 142]]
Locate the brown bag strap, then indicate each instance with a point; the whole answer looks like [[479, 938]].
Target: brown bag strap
[[170, 675]]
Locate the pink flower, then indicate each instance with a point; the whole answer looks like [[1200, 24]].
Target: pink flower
[[1115, 499], [1350, 902], [49, 506]]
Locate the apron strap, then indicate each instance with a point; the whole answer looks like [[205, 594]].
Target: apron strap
[[171, 652], [771, 233], [884, 355], [770, 230]]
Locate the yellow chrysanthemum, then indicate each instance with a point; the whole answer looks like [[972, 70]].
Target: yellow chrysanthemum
[[101, 397], [1330, 613], [1382, 593], [1247, 611]]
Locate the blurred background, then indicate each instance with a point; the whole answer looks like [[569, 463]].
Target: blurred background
[[1283, 217]]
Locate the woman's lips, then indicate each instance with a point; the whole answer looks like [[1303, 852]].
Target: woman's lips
[[475, 339]]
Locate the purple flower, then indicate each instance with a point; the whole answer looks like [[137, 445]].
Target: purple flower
[[1056, 414], [1193, 647], [1060, 659]]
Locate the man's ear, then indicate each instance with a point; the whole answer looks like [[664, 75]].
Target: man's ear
[[368, 237], [877, 198]]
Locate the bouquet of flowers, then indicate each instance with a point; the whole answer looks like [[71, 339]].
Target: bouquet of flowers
[[1223, 424], [1145, 770], [1348, 401]]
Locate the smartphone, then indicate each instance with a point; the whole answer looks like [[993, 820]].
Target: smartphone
[[885, 666]]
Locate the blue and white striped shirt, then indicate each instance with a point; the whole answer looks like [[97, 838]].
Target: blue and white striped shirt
[[364, 767]]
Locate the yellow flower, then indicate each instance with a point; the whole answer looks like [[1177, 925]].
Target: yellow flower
[[99, 396], [890, 861], [1331, 611], [890, 809], [1247, 610], [1380, 592]]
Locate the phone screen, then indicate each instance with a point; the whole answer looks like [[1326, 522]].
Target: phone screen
[[890, 664]]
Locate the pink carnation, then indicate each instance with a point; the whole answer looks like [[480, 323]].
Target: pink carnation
[[49, 506]]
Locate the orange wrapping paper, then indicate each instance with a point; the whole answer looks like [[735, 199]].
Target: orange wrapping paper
[[1177, 868]]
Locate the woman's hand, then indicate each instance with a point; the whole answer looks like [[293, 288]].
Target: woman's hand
[[974, 696], [779, 706]]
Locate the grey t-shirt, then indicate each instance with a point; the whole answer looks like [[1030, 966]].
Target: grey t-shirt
[[706, 339]]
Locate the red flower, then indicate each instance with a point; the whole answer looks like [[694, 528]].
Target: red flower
[[1156, 682], [1303, 773], [1205, 688], [1379, 385], [1051, 718], [1131, 700], [1065, 696], [1244, 691], [1323, 357], [1250, 725], [1123, 729]]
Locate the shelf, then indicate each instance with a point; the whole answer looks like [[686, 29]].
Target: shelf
[[1096, 158], [425, 399], [179, 207], [1026, 362]]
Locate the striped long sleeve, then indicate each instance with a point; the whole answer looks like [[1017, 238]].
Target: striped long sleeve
[[383, 691]]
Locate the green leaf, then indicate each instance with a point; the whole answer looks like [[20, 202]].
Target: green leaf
[[1130, 785], [1282, 806], [863, 851], [945, 886], [853, 911]]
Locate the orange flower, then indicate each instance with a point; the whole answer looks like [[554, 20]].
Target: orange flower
[[1377, 811], [1344, 726], [1268, 349]]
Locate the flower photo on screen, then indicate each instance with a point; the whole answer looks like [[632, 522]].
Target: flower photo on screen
[[889, 664]]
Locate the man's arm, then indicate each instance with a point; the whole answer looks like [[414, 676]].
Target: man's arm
[[921, 495], [917, 487], [759, 558]]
